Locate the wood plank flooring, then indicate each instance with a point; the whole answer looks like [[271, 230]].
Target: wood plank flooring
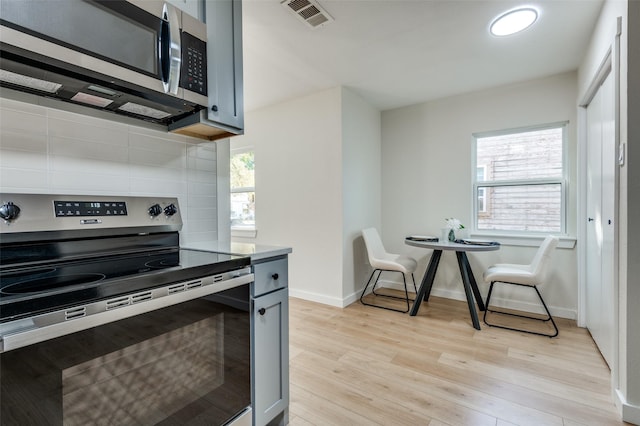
[[367, 366]]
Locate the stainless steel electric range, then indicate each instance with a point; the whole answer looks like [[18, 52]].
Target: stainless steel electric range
[[104, 319]]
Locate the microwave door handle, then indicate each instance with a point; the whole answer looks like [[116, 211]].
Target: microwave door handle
[[171, 49]]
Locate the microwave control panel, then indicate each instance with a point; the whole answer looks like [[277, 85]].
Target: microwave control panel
[[194, 64]]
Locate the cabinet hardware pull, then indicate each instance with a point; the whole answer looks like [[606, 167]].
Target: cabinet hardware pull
[[262, 311], [275, 276]]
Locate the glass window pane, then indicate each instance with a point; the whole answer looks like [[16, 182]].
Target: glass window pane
[[525, 155], [242, 180], [242, 170], [536, 208], [243, 209]]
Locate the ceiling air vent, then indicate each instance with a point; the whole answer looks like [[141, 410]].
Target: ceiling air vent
[[308, 11]]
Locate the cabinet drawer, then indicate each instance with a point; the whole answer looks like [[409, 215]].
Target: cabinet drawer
[[270, 276]]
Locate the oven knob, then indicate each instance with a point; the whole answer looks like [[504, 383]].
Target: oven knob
[[9, 211], [155, 210], [170, 210]]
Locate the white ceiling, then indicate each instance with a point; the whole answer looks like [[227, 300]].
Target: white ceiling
[[397, 52]]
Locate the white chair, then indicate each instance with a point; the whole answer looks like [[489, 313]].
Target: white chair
[[381, 261], [530, 275]]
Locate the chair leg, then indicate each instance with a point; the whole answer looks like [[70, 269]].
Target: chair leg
[[406, 292], [375, 283], [549, 317]]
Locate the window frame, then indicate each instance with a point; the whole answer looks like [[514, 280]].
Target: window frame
[[561, 180], [242, 230], [484, 192]]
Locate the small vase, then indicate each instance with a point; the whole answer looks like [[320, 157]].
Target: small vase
[[452, 235]]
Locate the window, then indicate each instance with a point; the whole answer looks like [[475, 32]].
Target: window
[[519, 184], [243, 195]]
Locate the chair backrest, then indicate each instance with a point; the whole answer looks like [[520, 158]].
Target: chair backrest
[[375, 248], [539, 264]]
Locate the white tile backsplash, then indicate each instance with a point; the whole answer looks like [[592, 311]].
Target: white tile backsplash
[[202, 189], [203, 176], [14, 159], [24, 180], [19, 140], [79, 148], [202, 151], [158, 187], [159, 158], [88, 183], [88, 132], [18, 117], [158, 173], [45, 150], [195, 163]]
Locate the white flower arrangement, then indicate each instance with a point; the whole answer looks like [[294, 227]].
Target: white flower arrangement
[[453, 223]]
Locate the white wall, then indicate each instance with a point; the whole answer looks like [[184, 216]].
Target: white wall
[[426, 175], [45, 150], [298, 157], [361, 188], [317, 185]]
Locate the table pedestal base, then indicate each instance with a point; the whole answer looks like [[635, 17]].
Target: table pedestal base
[[471, 289]]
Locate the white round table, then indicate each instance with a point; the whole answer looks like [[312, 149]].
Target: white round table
[[468, 280]]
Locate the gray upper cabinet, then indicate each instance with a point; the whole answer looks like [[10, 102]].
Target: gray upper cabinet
[[224, 116], [224, 48]]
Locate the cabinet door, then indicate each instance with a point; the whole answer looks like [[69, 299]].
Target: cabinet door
[[224, 66], [270, 356]]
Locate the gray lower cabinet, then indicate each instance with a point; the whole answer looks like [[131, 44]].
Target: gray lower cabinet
[[270, 345]]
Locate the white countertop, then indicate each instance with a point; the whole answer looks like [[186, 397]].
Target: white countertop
[[255, 251]]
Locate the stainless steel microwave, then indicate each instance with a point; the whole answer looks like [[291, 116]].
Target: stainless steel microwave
[[140, 58]]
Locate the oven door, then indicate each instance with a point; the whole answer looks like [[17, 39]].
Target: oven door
[[181, 364]]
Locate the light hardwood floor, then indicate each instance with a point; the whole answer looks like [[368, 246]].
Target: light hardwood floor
[[366, 366]]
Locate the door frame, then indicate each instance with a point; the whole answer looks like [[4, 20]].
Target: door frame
[[609, 64]]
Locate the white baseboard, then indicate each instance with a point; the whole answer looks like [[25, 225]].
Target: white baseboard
[[502, 303], [630, 413], [446, 293], [316, 297]]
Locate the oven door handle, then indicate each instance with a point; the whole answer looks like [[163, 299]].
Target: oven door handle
[[28, 331]]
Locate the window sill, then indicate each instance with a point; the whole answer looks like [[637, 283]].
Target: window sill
[[244, 232], [566, 242]]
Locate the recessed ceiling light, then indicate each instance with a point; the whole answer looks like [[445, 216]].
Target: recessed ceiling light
[[514, 21]]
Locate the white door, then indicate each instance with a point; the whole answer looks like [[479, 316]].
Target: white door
[[600, 292]]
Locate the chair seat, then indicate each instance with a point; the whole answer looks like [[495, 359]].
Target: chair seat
[[394, 262], [520, 274]]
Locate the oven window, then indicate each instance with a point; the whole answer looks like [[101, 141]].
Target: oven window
[[185, 364]]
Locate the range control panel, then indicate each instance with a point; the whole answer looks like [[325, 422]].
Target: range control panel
[[90, 208], [71, 216]]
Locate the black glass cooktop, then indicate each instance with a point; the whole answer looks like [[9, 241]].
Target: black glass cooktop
[[27, 291]]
